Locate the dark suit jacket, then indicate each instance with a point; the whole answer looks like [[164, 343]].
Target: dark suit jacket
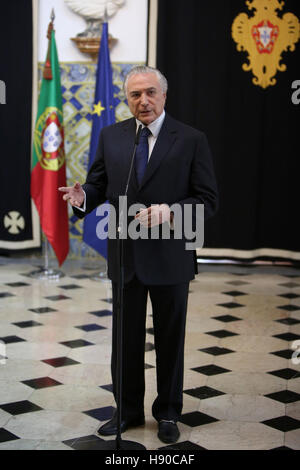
[[180, 170]]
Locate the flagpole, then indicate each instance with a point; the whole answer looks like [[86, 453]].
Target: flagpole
[[46, 264]]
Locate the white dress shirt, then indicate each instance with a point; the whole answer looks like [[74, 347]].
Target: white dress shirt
[[154, 127]]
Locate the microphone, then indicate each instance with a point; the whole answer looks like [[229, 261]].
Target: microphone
[[138, 135], [136, 143]]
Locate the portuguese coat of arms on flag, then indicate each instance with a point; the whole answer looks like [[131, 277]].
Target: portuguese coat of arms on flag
[[48, 159]]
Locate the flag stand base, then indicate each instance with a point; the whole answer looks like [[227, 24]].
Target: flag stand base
[[100, 276], [46, 274], [93, 263]]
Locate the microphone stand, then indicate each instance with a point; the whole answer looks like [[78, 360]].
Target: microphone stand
[[119, 443]]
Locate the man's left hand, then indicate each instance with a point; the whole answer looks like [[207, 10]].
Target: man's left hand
[[154, 215]]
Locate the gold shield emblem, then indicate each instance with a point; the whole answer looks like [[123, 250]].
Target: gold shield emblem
[[265, 36]]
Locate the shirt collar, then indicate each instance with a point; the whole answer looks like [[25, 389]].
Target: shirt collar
[[155, 126]]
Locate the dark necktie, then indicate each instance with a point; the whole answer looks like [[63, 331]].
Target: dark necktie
[[141, 156]]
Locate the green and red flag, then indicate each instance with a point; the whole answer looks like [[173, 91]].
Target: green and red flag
[[48, 159]]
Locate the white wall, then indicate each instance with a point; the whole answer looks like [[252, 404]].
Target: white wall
[[128, 25]]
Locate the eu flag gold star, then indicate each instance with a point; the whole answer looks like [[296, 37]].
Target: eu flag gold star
[[98, 108]]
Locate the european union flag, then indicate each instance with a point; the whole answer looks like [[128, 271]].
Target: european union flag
[[103, 115]]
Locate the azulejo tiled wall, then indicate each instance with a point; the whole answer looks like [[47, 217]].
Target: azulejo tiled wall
[[78, 87]]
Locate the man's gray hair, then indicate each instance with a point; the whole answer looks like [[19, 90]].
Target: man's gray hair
[[146, 69]]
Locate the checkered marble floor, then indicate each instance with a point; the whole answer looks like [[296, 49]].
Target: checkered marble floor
[[242, 385]]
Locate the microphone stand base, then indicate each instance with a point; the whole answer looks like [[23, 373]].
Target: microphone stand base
[[122, 445]]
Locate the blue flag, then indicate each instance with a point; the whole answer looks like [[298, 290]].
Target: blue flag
[[103, 115]]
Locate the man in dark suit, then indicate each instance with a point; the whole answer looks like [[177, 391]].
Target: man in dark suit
[[178, 170]]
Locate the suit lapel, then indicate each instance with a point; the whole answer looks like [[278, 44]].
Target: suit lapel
[[164, 142]]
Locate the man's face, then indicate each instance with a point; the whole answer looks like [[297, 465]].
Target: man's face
[[145, 97]]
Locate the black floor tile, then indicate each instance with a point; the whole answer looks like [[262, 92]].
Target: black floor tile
[[42, 310], [286, 374], [283, 423], [70, 286], [6, 294], [101, 313], [285, 396], [17, 284], [211, 370], [108, 387], [285, 353], [289, 307], [241, 273], [41, 382], [290, 275], [185, 445], [102, 414], [290, 284], [288, 321], [11, 339], [57, 297], [287, 336], [221, 333], [20, 407], [149, 347], [6, 436], [237, 283], [150, 331], [60, 361], [109, 301], [227, 318], [85, 443], [289, 295], [91, 327], [76, 343], [148, 366], [234, 293], [195, 418], [203, 392], [216, 350], [230, 305], [27, 324], [281, 448]]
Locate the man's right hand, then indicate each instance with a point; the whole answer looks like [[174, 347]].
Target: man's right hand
[[73, 194]]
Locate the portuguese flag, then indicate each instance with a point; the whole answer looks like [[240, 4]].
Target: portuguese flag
[[48, 159]]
